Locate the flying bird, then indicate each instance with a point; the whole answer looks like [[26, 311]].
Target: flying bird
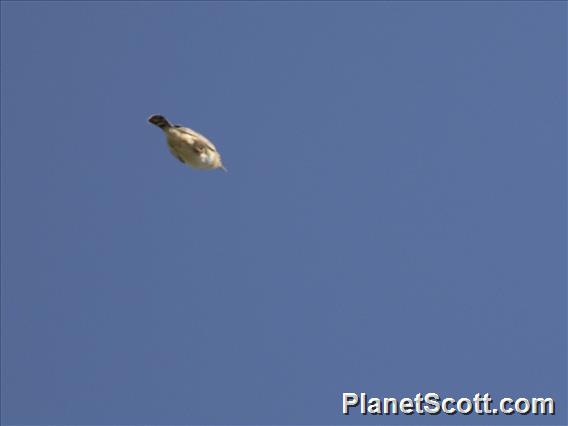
[[188, 146]]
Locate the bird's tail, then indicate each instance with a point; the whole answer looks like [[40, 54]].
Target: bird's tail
[[160, 121], [223, 168]]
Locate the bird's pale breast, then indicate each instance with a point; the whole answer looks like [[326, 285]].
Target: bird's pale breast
[[181, 147]]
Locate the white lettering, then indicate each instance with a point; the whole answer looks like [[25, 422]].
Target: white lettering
[[349, 400], [525, 402], [433, 403], [445, 403], [374, 406], [540, 403], [467, 403], [502, 406], [406, 406]]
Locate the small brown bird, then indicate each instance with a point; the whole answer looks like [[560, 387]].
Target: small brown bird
[[188, 146]]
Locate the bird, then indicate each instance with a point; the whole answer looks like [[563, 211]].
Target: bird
[[188, 146]]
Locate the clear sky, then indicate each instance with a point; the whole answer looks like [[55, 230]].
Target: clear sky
[[393, 220]]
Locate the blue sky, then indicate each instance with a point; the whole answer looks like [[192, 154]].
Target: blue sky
[[393, 220]]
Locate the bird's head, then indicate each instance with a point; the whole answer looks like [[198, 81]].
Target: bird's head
[[159, 120]]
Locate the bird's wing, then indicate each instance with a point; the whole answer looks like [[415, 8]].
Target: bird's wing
[[200, 142]]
